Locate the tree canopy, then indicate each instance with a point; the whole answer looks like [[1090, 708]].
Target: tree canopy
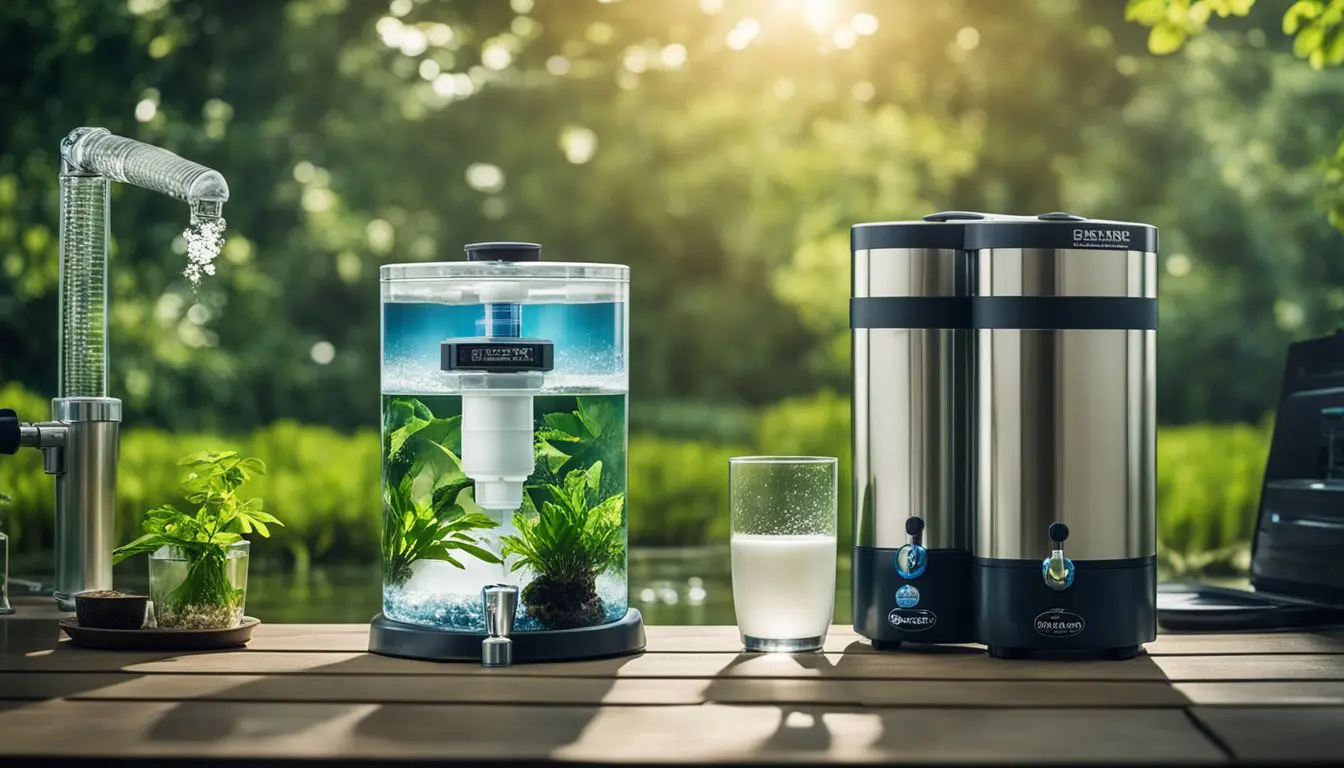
[[720, 147]]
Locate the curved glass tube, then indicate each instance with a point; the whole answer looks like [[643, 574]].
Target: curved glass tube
[[91, 158]]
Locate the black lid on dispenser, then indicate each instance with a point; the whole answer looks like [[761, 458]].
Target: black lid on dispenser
[[503, 251], [1060, 230], [973, 231], [943, 230]]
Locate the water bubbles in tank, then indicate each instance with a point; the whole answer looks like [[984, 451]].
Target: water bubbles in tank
[[204, 239]]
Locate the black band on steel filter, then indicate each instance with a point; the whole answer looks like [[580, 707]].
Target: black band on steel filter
[[912, 312], [1064, 313]]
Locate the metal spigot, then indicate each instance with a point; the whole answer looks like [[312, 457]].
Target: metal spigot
[[501, 600], [1057, 570], [48, 437]]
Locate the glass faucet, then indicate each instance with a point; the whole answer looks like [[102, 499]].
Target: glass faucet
[[80, 443]]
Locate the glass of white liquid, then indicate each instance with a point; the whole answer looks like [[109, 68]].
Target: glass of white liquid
[[783, 550]]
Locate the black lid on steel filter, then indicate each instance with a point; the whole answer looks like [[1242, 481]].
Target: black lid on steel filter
[[943, 230], [1060, 230]]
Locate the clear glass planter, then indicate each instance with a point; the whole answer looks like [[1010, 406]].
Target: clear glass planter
[[198, 591]]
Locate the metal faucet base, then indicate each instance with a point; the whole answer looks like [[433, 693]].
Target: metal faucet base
[[86, 489], [411, 641]]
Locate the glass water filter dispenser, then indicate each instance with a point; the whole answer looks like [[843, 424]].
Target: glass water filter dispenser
[[504, 402]]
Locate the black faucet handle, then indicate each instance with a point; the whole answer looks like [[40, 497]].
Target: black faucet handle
[[914, 526], [1059, 533], [9, 431]]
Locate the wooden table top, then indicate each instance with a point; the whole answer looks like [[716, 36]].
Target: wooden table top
[[310, 691]]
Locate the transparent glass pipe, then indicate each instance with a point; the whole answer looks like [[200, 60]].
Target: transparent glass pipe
[[83, 341], [96, 151], [91, 157]]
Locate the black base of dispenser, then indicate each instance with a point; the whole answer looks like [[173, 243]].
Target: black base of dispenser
[[1110, 610], [411, 641], [942, 608]]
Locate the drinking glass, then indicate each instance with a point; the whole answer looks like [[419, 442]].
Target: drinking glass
[[783, 550]]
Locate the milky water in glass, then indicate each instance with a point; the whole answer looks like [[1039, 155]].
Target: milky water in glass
[[784, 586], [783, 550]]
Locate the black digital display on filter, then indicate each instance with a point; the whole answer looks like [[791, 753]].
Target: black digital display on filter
[[514, 355]]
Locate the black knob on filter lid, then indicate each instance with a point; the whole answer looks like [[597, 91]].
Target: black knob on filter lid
[[1059, 532], [955, 216], [9, 431], [503, 251]]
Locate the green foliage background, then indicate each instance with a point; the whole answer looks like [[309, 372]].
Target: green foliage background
[[324, 485], [725, 168]]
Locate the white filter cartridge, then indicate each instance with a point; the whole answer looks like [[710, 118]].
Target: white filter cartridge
[[497, 447]]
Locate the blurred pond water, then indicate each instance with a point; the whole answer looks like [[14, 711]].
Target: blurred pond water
[[668, 585], [690, 585]]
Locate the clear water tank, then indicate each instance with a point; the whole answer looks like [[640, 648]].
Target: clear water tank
[[504, 404]]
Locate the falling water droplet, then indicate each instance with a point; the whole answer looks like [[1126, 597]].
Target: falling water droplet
[[204, 239]]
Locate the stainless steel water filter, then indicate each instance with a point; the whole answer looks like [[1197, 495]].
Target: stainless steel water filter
[[1065, 312], [912, 430]]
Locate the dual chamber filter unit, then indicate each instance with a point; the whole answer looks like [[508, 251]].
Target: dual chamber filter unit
[[1004, 438]]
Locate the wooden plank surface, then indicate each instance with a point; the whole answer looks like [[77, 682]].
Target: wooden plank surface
[[354, 638], [312, 691], [922, 666], [1277, 735], [1180, 669], [579, 691], [1283, 693], [710, 732]]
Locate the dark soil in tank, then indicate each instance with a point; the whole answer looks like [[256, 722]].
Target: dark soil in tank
[[563, 604]]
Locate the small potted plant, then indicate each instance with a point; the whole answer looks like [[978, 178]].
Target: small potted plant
[[198, 562]]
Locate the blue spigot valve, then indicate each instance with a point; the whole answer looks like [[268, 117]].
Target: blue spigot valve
[[912, 558]]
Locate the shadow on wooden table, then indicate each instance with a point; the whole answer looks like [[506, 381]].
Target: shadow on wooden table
[[21, 635], [805, 708], [354, 698], [799, 729]]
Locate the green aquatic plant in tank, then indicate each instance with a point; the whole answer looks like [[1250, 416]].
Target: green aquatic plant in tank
[[575, 535], [423, 518], [592, 434], [198, 560]]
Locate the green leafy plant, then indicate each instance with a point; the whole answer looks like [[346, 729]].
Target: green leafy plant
[[592, 434], [204, 537], [575, 536], [422, 483]]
